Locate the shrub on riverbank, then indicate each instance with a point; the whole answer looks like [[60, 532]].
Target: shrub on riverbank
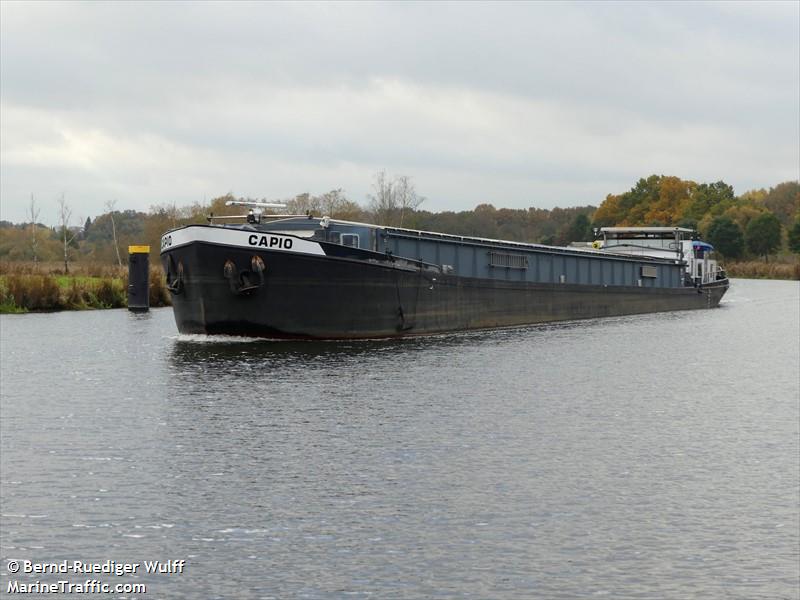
[[34, 292], [39, 287], [159, 294], [760, 270], [20, 293]]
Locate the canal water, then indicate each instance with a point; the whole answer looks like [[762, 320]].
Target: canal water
[[652, 456]]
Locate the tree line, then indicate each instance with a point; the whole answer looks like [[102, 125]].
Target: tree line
[[757, 223]]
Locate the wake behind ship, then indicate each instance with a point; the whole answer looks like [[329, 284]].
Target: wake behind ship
[[308, 277]]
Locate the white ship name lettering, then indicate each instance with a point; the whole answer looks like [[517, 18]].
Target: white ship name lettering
[[270, 241]]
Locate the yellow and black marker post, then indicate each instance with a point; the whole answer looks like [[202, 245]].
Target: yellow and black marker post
[[139, 278]]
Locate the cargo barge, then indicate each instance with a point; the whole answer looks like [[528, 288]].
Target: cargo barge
[[305, 277]]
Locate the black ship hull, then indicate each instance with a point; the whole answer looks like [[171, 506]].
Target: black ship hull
[[357, 294]]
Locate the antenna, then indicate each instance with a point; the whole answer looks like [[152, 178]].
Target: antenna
[[254, 204]]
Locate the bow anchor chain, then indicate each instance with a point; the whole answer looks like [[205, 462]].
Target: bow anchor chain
[[174, 279], [245, 282]]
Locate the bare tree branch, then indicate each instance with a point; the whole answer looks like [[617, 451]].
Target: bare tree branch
[[34, 213], [110, 208], [393, 199], [383, 203], [406, 196], [65, 214]]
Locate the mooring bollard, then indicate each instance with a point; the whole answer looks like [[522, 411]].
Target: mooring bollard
[[139, 278]]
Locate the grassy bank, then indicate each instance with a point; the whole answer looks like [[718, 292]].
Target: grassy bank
[[28, 287], [760, 270]]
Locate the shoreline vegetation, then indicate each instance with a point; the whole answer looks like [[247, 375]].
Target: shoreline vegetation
[[754, 269], [43, 287]]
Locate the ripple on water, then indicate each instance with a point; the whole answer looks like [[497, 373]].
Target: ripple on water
[[652, 456]]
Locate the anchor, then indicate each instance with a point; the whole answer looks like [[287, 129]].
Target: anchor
[[245, 282], [175, 285]]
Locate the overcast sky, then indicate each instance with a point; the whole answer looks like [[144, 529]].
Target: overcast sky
[[516, 104]]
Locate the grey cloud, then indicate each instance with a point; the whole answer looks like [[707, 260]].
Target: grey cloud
[[229, 96]]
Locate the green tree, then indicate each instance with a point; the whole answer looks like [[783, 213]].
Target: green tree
[[726, 237], [580, 230], [709, 197], [121, 223], [794, 237], [763, 235], [784, 201]]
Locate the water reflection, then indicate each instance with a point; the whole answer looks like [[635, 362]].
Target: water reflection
[[222, 352], [211, 350]]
